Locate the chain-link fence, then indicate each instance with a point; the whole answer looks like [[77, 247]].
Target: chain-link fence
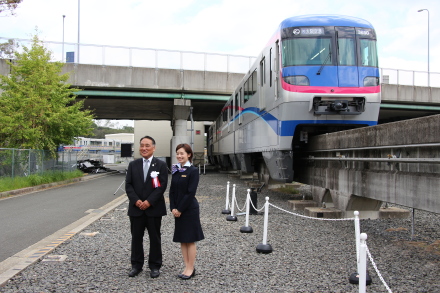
[[25, 162], [105, 157]]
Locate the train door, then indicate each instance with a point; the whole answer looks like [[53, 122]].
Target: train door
[[261, 83], [228, 115], [348, 75], [275, 67], [240, 102], [237, 110]]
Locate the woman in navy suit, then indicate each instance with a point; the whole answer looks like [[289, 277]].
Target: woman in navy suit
[[185, 208]]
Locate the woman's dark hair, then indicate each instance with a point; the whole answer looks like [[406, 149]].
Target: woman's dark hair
[[187, 149]]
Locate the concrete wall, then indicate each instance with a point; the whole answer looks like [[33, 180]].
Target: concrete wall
[[162, 133], [84, 75], [406, 93]]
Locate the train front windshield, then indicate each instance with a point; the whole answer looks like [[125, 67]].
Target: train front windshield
[[306, 51], [368, 53], [315, 46]]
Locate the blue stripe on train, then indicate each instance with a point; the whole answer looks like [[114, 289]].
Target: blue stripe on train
[[287, 128]]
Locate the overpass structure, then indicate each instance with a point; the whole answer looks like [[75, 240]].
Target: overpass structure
[[118, 92], [148, 93], [141, 83]]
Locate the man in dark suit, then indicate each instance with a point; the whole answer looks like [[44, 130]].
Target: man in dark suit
[[145, 184]]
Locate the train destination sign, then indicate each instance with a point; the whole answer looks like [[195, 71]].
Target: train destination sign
[[304, 32], [311, 31]]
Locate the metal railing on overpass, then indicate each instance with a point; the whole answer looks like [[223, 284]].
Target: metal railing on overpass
[[142, 57], [188, 60], [409, 77]]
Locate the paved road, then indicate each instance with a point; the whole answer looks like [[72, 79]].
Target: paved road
[[28, 218]]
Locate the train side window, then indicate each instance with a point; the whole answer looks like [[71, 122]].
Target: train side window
[[231, 110], [237, 104], [246, 91], [254, 82], [368, 52], [250, 86], [263, 71], [240, 94], [225, 114]]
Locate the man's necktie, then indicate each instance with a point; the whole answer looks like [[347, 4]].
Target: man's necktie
[[146, 167]]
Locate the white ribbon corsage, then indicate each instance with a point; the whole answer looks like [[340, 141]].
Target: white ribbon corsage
[[155, 180]]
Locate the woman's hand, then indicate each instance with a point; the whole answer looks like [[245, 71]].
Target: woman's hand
[[176, 213]]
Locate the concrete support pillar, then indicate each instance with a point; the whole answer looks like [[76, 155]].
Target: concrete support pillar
[[181, 111]]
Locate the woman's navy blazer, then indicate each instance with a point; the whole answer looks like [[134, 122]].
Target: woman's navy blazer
[[183, 190]]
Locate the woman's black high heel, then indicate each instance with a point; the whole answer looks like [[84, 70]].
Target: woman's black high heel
[[185, 277]]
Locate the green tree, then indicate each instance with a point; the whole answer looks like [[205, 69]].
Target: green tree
[[100, 131], [9, 5], [38, 105]]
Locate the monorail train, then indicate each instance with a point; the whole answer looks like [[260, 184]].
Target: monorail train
[[317, 74]]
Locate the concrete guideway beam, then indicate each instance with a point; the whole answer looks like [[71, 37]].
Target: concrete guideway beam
[[410, 178]]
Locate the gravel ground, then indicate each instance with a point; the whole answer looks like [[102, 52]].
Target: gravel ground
[[308, 255]]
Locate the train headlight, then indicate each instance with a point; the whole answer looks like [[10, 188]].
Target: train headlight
[[297, 80], [371, 81]]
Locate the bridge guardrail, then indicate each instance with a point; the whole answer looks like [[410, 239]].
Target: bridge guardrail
[[143, 57], [409, 77], [187, 60]]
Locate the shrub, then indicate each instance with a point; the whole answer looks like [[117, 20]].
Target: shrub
[[37, 179]]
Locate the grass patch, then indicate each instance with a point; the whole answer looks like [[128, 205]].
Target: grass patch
[[288, 190], [7, 184]]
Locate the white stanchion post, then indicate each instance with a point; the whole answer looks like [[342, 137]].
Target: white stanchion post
[[363, 263], [204, 169], [232, 216], [354, 278], [246, 228], [226, 211], [357, 232], [265, 247]]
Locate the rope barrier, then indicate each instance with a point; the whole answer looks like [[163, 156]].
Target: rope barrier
[[377, 270], [258, 210], [307, 217], [242, 209]]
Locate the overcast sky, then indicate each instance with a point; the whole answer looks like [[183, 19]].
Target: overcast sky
[[225, 26]]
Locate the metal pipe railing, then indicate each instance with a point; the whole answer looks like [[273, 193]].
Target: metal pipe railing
[[388, 75]]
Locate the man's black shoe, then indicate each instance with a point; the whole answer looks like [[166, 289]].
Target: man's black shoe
[[134, 272], [154, 273]]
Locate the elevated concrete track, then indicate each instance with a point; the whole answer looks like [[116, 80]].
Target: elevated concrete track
[[360, 169]]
